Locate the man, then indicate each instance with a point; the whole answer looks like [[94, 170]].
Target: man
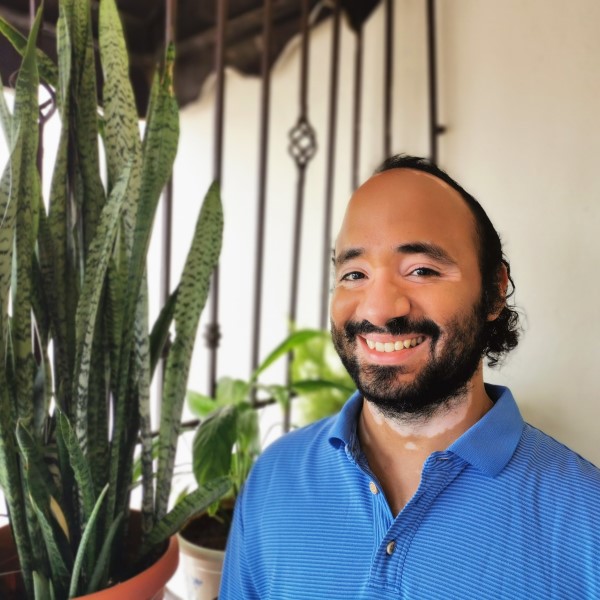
[[428, 484]]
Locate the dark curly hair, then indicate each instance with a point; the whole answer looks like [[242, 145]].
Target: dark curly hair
[[502, 334]]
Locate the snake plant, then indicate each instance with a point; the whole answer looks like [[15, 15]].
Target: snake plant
[[77, 352]]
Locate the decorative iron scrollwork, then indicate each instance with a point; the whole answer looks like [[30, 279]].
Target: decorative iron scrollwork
[[303, 142]]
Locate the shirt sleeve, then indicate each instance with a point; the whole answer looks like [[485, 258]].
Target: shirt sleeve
[[236, 579]]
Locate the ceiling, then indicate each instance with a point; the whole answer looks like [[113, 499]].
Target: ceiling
[[144, 24]]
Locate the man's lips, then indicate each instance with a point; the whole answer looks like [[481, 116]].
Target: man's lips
[[388, 345]]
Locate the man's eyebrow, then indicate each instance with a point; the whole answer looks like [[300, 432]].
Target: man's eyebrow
[[432, 250], [346, 255]]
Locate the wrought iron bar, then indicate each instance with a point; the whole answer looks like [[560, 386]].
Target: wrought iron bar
[[357, 109], [262, 177], [435, 129], [330, 168], [213, 334], [389, 65], [302, 147]]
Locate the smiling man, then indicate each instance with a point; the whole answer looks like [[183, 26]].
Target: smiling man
[[428, 484]]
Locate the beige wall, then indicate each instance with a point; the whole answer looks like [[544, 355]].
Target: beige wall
[[519, 93]]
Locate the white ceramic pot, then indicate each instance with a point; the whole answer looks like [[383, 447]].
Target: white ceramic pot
[[202, 570]]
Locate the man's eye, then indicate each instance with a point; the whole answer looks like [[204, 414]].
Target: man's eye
[[424, 272], [352, 276]]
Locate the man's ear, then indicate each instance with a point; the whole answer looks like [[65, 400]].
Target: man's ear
[[502, 286]]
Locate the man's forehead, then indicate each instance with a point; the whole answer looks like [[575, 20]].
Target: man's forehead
[[410, 202]]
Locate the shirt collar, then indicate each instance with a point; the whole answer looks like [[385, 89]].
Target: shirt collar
[[488, 445]]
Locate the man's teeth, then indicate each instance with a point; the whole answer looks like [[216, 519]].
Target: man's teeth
[[393, 346]]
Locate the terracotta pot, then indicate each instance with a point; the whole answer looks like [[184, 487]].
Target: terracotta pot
[[147, 585]]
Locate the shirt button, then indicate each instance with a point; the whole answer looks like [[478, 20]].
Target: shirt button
[[390, 548], [373, 488]]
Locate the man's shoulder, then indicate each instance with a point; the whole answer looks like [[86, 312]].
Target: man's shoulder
[[540, 452]]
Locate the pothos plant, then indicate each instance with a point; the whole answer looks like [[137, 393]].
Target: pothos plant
[[227, 441], [77, 354]]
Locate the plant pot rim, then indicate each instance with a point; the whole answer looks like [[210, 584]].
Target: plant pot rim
[[192, 549], [145, 584]]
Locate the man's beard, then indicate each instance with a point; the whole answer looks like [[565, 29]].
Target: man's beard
[[442, 381]]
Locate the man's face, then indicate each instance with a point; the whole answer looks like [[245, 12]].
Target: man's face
[[406, 313]]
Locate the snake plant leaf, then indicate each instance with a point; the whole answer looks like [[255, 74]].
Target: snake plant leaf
[[160, 331], [160, 147], [5, 116], [193, 291], [60, 565], [56, 262], [297, 338], [34, 463], [142, 376], [41, 489], [10, 483], [213, 444], [192, 504], [42, 587], [90, 528], [79, 465], [89, 191], [101, 566], [8, 212], [87, 309], [121, 135], [27, 199], [47, 68]]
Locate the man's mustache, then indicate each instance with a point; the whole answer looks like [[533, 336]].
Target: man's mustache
[[396, 327]]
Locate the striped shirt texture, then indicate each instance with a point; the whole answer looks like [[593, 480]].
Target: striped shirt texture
[[505, 512]]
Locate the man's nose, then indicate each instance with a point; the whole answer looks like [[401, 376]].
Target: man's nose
[[382, 300]]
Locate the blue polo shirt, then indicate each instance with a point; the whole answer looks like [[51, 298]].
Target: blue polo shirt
[[505, 512]]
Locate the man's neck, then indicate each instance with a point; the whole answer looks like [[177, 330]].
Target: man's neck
[[397, 448]]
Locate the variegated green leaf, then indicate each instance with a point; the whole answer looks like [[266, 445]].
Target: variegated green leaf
[[101, 566], [142, 376], [10, 483], [8, 214], [90, 528], [5, 117], [160, 146], [19, 42], [34, 462], [89, 193], [27, 198], [42, 587], [193, 291], [60, 565], [160, 331], [87, 309], [79, 464], [192, 504], [121, 130]]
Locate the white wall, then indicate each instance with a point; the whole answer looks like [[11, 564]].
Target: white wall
[[519, 89], [521, 81]]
